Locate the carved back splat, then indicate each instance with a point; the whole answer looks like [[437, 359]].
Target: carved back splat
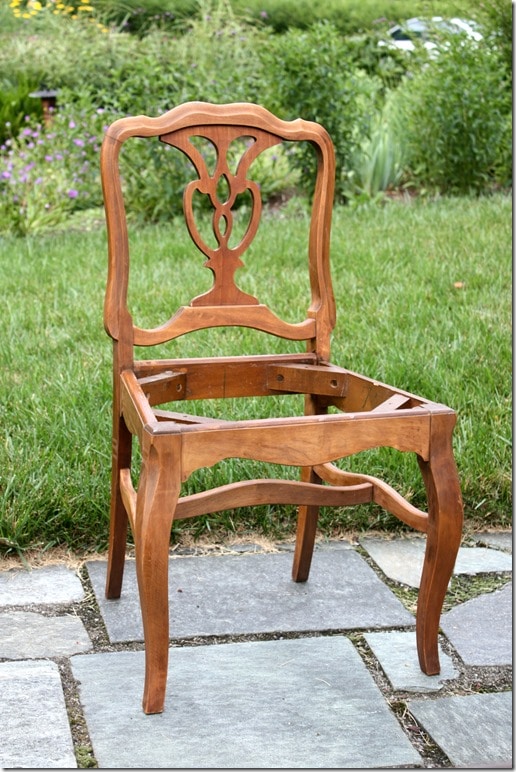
[[224, 260]]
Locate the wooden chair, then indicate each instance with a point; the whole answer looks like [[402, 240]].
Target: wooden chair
[[344, 413]]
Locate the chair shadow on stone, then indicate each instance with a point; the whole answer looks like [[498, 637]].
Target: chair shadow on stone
[[342, 413]]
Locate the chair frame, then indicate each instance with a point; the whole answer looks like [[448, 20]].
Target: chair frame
[[173, 444]]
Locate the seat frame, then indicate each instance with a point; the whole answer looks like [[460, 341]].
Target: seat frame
[[366, 413]]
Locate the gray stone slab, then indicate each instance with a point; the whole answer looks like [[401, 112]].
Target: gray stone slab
[[481, 629], [302, 703], [474, 729], [232, 594], [481, 560], [51, 584], [397, 653], [35, 732], [402, 559], [25, 635], [501, 540]]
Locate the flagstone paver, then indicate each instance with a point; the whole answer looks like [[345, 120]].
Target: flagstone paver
[[319, 703], [303, 703], [51, 584], [402, 559], [501, 540], [253, 593], [34, 724], [397, 653], [26, 635], [472, 730], [481, 628]]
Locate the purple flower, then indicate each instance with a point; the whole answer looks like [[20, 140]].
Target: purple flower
[[49, 158], [72, 193], [6, 175], [78, 142], [71, 125]]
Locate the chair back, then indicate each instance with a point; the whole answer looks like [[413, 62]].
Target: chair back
[[225, 128]]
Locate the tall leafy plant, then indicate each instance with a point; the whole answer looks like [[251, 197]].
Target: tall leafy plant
[[377, 162]]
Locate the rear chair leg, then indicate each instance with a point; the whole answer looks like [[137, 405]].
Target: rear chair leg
[[306, 531], [445, 517], [121, 459]]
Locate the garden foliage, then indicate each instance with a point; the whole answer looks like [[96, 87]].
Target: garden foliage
[[441, 123], [455, 117]]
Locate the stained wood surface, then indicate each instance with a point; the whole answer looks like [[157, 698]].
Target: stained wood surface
[[344, 413]]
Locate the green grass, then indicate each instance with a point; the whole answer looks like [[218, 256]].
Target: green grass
[[402, 319]]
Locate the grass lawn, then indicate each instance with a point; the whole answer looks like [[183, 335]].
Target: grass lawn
[[424, 301]]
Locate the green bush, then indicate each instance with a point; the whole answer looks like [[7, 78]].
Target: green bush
[[138, 17], [387, 63], [48, 172], [15, 105], [311, 75], [349, 16], [496, 20], [217, 55], [455, 117], [213, 58]]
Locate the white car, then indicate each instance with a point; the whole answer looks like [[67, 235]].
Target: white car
[[405, 36]]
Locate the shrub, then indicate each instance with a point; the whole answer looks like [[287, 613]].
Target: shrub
[[46, 173], [214, 58], [312, 76], [139, 18], [348, 16], [218, 56], [384, 62], [57, 51], [496, 18], [15, 104], [455, 118]]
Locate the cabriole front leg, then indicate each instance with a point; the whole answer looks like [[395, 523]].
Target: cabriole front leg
[[157, 498], [445, 518]]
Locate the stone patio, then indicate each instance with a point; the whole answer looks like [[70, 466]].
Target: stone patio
[[302, 694]]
